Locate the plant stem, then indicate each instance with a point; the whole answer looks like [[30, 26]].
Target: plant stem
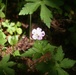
[[13, 47], [30, 25]]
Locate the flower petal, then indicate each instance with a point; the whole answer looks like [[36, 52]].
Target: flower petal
[[43, 33], [34, 31], [34, 37], [39, 29], [39, 38]]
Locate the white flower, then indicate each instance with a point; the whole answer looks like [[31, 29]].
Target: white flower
[[38, 34]]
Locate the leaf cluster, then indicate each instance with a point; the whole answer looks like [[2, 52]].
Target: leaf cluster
[[45, 13], [13, 29], [56, 64], [39, 48], [6, 66]]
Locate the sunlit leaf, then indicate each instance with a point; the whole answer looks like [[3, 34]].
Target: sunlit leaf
[[19, 30], [29, 8], [18, 24], [2, 15], [12, 40], [10, 30], [46, 15], [16, 53], [2, 38], [5, 23]]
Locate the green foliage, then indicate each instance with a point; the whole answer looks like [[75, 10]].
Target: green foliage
[[2, 15], [5, 66], [46, 14], [27, 10], [56, 65], [39, 48], [12, 28], [62, 62], [43, 67], [67, 63], [2, 38], [16, 53], [13, 40], [59, 54], [61, 71]]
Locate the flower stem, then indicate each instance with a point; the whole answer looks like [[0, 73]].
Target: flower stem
[[30, 25]]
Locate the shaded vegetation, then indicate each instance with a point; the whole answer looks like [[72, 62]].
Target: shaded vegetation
[[20, 54]]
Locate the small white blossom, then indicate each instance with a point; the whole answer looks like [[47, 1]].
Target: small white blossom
[[38, 34]]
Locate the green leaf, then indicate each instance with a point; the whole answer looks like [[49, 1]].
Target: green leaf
[[61, 72], [2, 38], [59, 55], [2, 15], [5, 58], [39, 48], [10, 26], [11, 63], [0, 1], [46, 15], [19, 30], [18, 24], [11, 30], [50, 3], [67, 63], [58, 2], [43, 67], [9, 71], [5, 65], [2, 5], [28, 53], [43, 47], [16, 53], [13, 40], [29, 8], [54, 3], [5, 23], [36, 56]]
